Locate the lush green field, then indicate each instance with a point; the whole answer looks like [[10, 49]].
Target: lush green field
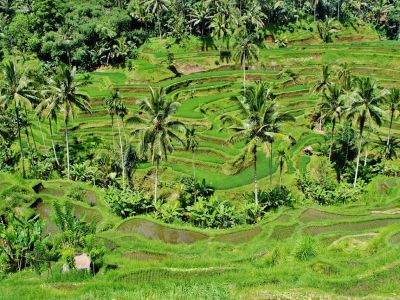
[[302, 253], [204, 91], [305, 252]]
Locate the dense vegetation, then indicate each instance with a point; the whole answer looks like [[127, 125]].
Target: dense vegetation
[[120, 117]]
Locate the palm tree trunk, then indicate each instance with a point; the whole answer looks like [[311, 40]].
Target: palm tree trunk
[[270, 167], [194, 166], [156, 182], [41, 132], [244, 79], [112, 132], [67, 145], [358, 156], [122, 153], [159, 24], [332, 134], [366, 150], [280, 172], [20, 140], [30, 129], [338, 10], [390, 127], [52, 143], [255, 174]]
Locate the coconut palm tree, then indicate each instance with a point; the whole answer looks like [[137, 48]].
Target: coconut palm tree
[[393, 101], [332, 108], [192, 144], [272, 131], [16, 91], [246, 53], [116, 107], [65, 97], [156, 7], [159, 130], [254, 107], [283, 159], [365, 109], [325, 80], [44, 111]]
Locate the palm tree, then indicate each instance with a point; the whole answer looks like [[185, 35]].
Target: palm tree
[[115, 106], [254, 107], [393, 100], [325, 80], [283, 159], [156, 7], [331, 109], [192, 144], [246, 53], [365, 108], [44, 110], [273, 120], [16, 91], [159, 131], [65, 97]]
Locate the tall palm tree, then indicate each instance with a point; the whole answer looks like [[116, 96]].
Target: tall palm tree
[[393, 101], [156, 7], [254, 107], [44, 111], [192, 144], [16, 91], [116, 107], [325, 80], [272, 131], [159, 130], [365, 108], [331, 108], [65, 97], [246, 53], [283, 159]]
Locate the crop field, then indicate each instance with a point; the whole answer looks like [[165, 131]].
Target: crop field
[[341, 251], [204, 87], [354, 251]]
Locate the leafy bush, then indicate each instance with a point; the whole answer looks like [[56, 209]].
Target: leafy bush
[[306, 249], [214, 213], [278, 196], [169, 212], [126, 203], [252, 212], [192, 190]]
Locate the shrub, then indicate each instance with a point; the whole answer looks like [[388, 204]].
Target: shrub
[[214, 213], [169, 212], [191, 190], [306, 249], [126, 203], [278, 196]]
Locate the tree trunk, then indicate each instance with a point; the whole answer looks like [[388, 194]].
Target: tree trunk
[[20, 141], [112, 132], [159, 24], [41, 132], [270, 167], [366, 150], [67, 145], [390, 127], [30, 129], [122, 153], [255, 174], [194, 166], [358, 156], [280, 172], [156, 182], [52, 143], [332, 134], [338, 10]]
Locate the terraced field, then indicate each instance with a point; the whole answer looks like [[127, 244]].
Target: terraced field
[[357, 251], [204, 87]]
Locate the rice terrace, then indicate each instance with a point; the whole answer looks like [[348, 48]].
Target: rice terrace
[[217, 149]]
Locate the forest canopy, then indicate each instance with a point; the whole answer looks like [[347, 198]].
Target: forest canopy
[[92, 33]]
